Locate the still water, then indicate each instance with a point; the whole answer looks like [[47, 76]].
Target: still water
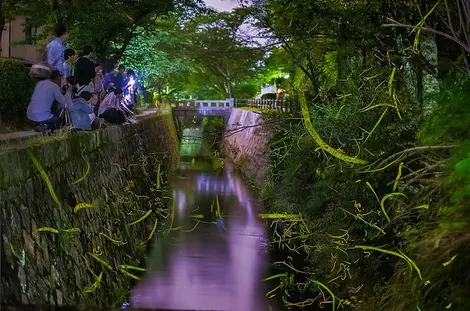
[[219, 258]]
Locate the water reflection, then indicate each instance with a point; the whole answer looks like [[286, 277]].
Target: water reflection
[[219, 265]]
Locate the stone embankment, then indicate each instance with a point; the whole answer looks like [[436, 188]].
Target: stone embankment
[[245, 143], [67, 207]]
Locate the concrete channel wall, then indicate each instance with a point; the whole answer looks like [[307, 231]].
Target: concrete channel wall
[[246, 144]]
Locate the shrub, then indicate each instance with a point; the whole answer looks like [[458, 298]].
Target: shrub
[[16, 87]]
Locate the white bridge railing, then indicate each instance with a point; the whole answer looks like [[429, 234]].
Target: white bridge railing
[[204, 104]]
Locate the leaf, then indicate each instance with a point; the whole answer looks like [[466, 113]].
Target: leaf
[[48, 229], [272, 277], [141, 218], [280, 216], [112, 240], [87, 171], [126, 267], [45, 177], [377, 106], [217, 204], [373, 191], [13, 251], [333, 297], [359, 217], [445, 264], [400, 255], [153, 229], [158, 176], [376, 125], [388, 196], [424, 206], [316, 137], [102, 261], [130, 274], [71, 230], [80, 206], [193, 228], [197, 216], [390, 81], [397, 179], [94, 286]]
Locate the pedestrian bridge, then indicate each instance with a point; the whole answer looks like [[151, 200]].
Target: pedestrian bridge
[[221, 108]]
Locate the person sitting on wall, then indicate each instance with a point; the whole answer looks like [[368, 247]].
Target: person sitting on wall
[[69, 82], [94, 103], [40, 109], [110, 108], [109, 77], [130, 90], [85, 71], [82, 110], [119, 79], [99, 81]]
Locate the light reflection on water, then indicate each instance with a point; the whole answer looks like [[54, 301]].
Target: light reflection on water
[[213, 267]]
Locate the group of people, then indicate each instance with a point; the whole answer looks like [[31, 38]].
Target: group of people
[[78, 91]]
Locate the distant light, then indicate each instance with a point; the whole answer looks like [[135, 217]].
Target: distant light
[[287, 76]]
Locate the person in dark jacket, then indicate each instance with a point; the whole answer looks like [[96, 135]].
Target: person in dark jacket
[[85, 72]]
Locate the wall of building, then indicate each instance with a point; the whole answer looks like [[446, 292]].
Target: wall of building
[[246, 144], [53, 252], [14, 31]]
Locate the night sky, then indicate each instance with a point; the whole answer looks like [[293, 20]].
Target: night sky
[[222, 5]]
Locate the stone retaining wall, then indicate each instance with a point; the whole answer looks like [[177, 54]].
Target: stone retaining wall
[[64, 267], [246, 144]]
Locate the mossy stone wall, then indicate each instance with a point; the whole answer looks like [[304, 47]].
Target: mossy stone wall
[[43, 267]]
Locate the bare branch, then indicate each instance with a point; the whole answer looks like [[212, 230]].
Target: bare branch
[[431, 30], [240, 129]]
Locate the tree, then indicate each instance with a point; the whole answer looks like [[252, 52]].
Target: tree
[[108, 25], [211, 44]]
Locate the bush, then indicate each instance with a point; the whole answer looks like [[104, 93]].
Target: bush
[[16, 88]]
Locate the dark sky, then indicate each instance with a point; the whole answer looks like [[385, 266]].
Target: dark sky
[[222, 5]]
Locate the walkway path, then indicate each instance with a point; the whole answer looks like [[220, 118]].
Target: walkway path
[[22, 136]]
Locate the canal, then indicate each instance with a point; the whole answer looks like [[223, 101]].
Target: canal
[[217, 255]]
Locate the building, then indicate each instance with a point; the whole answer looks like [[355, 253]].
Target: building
[[14, 32]]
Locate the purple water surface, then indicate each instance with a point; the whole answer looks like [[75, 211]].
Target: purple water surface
[[219, 265]]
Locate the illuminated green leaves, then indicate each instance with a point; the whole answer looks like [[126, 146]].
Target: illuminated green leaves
[[141, 218]]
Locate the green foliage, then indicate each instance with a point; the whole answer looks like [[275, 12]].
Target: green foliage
[[277, 68], [16, 87], [449, 122], [213, 131], [441, 241], [109, 26], [143, 56], [221, 63], [411, 202]]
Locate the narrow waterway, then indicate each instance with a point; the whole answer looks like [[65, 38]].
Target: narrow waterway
[[218, 258]]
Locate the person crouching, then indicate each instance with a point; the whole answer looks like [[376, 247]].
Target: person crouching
[[47, 103], [82, 110]]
